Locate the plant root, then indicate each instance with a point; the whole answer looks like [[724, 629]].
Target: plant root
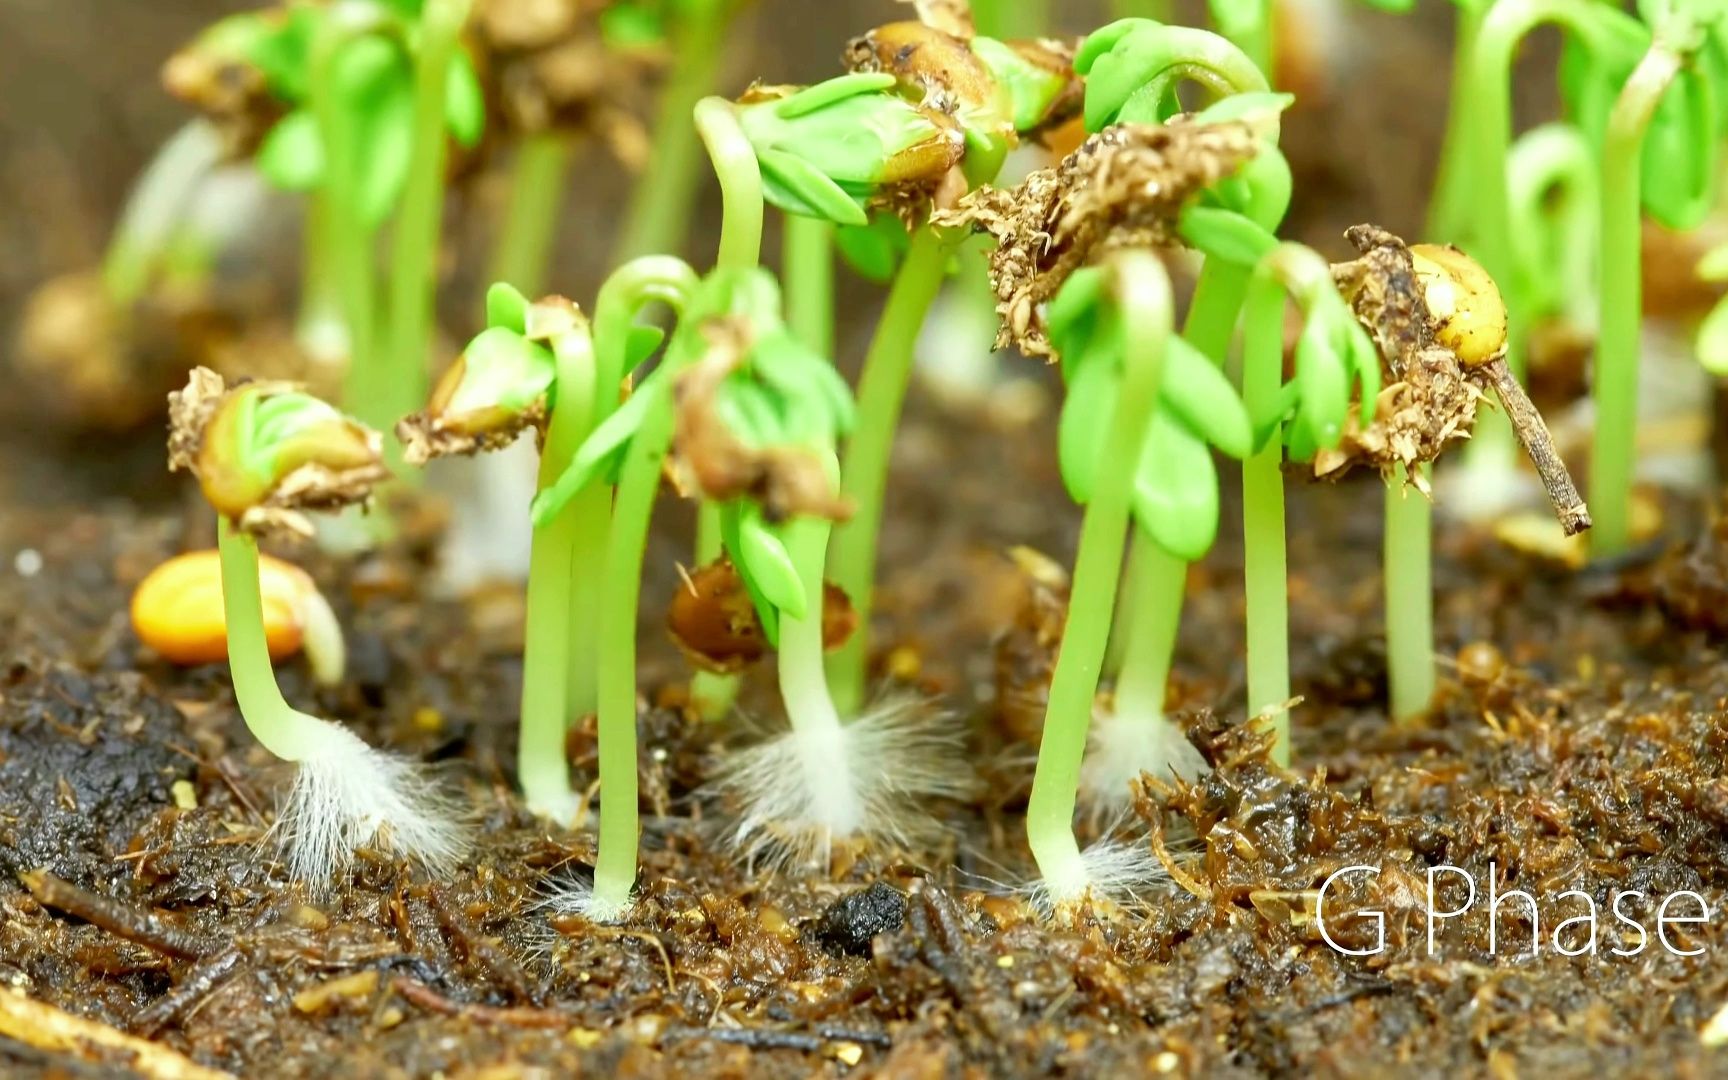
[[798, 795], [1121, 747], [349, 795]]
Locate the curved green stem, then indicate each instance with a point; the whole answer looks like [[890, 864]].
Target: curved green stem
[[1613, 453], [864, 473], [1012, 18], [740, 176], [659, 215], [559, 656], [155, 209], [631, 288], [285, 731], [1142, 292], [537, 186], [1408, 566]]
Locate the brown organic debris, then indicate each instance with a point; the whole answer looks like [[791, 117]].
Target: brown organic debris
[[1431, 397], [550, 69], [710, 459], [1124, 187], [714, 623]]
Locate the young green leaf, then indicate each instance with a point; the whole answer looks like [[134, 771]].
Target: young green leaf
[[1176, 490], [762, 558], [1200, 394]]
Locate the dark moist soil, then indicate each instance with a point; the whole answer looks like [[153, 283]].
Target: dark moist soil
[[1579, 745]]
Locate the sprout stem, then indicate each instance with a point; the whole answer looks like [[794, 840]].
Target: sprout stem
[[285, 731], [1409, 600], [401, 378], [1011, 18], [659, 215], [1156, 588], [740, 176], [1143, 300], [864, 473], [321, 329], [537, 186], [1621, 266], [559, 656], [1450, 205], [807, 268], [1156, 10], [155, 209]]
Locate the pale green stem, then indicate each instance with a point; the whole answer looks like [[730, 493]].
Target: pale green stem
[[1157, 582], [803, 682], [659, 215], [559, 655], [1449, 206], [402, 378], [740, 176], [1613, 454], [1012, 18], [285, 731], [1143, 298], [808, 272], [538, 181], [351, 255], [864, 472], [321, 328], [615, 864], [155, 210], [1409, 600], [1158, 10], [1210, 327]]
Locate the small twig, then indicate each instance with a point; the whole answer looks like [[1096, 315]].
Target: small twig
[[119, 918], [643, 935], [192, 989], [432, 1001], [483, 950], [765, 1039], [1539, 444]]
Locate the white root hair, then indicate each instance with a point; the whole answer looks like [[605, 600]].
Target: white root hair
[[574, 896], [1120, 874], [347, 795], [799, 793], [1120, 747]]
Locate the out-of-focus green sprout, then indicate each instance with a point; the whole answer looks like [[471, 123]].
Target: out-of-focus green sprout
[[1713, 332], [1661, 152]]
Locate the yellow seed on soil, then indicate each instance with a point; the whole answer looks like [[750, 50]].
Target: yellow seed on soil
[[177, 611], [428, 720], [1469, 314], [333, 992], [848, 1053], [185, 795]]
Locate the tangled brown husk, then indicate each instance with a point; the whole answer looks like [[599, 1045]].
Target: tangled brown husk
[[1430, 399], [1123, 188]]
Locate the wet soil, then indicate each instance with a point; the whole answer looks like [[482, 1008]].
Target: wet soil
[[1578, 745]]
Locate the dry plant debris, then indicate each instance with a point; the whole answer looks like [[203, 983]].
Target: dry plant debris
[[1124, 187]]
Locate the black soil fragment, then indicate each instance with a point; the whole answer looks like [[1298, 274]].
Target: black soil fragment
[[854, 920]]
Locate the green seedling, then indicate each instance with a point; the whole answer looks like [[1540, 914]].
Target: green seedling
[[1333, 358], [836, 149], [153, 234], [368, 96], [544, 366], [631, 444], [1553, 184], [1661, 152], [1134, 330], [264, 453], [1175, 503]]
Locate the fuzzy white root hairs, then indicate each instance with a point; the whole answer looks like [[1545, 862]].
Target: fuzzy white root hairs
[[1121, 747], [799, 793], [348, 795], [577, 898], [1119, 873]]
